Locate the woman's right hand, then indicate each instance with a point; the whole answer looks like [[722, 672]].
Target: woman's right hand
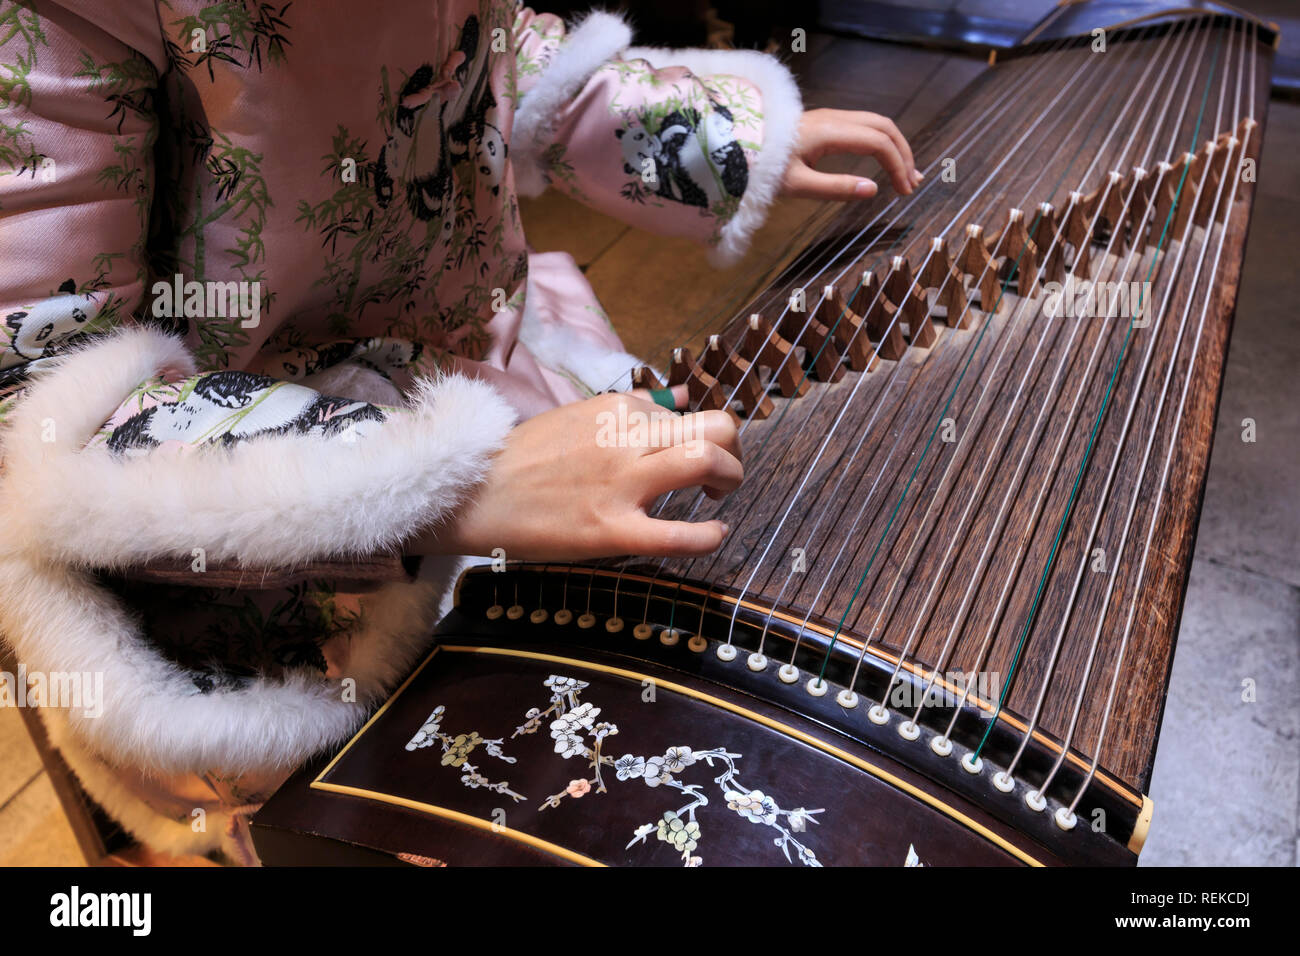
[[574, 484]]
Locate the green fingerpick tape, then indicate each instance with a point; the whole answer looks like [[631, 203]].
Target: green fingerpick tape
[[664, 397]]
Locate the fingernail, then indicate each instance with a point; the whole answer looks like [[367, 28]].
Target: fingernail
[[726, 529], [918, 175], [865, 187]]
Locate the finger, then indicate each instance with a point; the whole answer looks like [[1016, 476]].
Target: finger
[[673, 539], [632, 421], [805, 182], [696, 463], [867, 140], [681, 395], [714, 426], [890, 129]]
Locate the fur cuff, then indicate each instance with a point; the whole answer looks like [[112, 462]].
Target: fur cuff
[[275, 500], [782, 110], [589, 44], [150, 714], [147, 825]]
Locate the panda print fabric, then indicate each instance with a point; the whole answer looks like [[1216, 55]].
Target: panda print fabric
[[228, 407], [693, 158]]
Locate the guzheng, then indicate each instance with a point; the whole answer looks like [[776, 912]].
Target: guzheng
[[977, 423]]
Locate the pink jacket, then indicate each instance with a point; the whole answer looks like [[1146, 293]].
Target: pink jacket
[[267, 301]]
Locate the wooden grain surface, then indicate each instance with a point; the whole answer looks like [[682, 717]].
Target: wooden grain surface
[[873, 455]]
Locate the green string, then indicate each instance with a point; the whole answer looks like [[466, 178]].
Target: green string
[[1096, 427], [988, 318]]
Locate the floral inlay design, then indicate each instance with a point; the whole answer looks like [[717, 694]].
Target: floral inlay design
[[457, 749], [577, 731]]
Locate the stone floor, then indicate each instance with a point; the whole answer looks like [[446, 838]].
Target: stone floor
[[1227, 779]]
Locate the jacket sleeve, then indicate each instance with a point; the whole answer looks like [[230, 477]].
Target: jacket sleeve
[[680, 142], [115, 450]]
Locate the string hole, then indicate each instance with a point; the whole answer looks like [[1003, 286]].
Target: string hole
[[642, 632], [516, 612], [614, 625], [878, 715], [670, 637], [757, 662], [726, 652], [539, 616], [788, 673], [1002, 780], [563, 616], [587, 621], [908, 730], [817, 687], [1065, 818], [495, 611], [941, 745], [970, 763], [1035, 801], [847, 699], [698, 643]]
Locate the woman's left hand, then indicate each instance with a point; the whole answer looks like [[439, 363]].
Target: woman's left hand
[[847, 131]]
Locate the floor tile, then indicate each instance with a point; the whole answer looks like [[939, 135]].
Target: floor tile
[[1227, 772], [660, 292], [1251, 515], [19, 761], [551, 225], [1279, 173], [881, 69], [33, 830]]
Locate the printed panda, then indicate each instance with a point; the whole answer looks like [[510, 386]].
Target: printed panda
[[39, 331], [694, 156], [445, 118], [269, 407]]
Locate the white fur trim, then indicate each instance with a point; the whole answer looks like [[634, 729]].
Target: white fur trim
[[138, 818], [782, 110], [153, 717], [588, 44], [63, 505], [273, 500]]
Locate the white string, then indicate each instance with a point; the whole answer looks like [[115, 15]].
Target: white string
[[848, 401], [1110, 476], [991, 456], [1173, 440], [844, 470]]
